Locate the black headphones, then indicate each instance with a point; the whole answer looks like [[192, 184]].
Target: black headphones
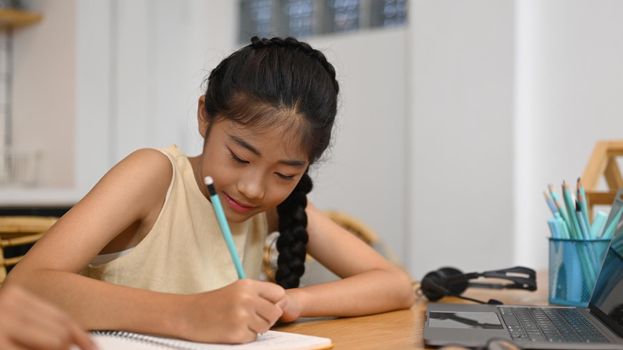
[[449, 281]]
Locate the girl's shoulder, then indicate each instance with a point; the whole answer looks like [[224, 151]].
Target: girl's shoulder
[[145, 171], [148, 162], [131, 193]]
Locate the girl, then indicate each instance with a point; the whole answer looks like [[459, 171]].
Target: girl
[[142, 251]]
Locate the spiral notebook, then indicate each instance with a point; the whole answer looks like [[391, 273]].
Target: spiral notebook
[[273, 340]]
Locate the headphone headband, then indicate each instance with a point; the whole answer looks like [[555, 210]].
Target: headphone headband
[[519, 276], [449, 281]]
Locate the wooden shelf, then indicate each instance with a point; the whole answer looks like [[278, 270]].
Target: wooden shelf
[[603, 162], [10, 18]]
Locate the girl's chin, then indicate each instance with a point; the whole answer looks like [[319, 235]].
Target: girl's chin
[[237, 218]]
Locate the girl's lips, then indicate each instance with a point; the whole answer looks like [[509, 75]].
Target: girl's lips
[[236, 206]]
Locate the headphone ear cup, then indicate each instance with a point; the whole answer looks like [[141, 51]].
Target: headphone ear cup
[[432, 286], [454, 280]]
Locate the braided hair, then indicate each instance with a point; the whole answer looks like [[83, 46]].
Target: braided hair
[[271, 82]]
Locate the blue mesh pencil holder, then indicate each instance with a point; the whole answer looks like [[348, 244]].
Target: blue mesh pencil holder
[[574, 265]]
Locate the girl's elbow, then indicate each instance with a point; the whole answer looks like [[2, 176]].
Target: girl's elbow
[[409, 298], [409, 295], [20, 275], [406, 295], [14, 278]]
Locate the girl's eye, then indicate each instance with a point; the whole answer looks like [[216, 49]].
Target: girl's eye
[[284, 177], [238, 159]]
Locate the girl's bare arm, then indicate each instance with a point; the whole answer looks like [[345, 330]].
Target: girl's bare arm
[[369, 284]]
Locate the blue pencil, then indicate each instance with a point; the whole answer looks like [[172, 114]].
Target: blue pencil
[[560, 209], [609, 231], [598, 224], [550, 203], [585, 230], [574, 228], [553, 229], [582, 200], [562, 227], [222, 222]]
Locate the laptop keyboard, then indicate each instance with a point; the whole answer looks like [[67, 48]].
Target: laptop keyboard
[[550, 325]]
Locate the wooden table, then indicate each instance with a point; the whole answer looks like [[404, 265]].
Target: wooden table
[[401, 329]]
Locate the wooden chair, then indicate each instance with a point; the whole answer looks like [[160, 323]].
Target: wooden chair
[[20, 231], [355, 226], [603, 161]]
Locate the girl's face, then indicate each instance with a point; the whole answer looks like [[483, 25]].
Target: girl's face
[[253, 170]]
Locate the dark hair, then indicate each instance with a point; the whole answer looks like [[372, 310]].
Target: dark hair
[[270, 82]]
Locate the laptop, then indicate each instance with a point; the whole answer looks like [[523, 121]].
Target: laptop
[[599, 326]]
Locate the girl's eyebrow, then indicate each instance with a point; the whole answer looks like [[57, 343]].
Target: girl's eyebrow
[[254, 150]]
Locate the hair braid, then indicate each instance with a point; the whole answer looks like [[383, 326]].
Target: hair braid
[[292, 241], [258, 43]]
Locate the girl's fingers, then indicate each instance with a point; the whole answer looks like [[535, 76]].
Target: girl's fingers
[[38, 325], [52, 333], [37, 338], [81, 338], [27, 331], [268, 311], [46, 329], [258, 325], [271, 292], [282, 304], [7, 344]]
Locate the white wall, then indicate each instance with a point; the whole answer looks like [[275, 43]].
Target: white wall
[[461, 139], [569, 87], [364, 172], [158, 72], [93, 96], [44, 90], [507, 97], [152, 57], [158, 53]]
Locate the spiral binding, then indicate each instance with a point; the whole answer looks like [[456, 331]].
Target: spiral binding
[[149, 339]]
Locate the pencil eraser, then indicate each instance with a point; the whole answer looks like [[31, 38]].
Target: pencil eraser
[[208, 180]]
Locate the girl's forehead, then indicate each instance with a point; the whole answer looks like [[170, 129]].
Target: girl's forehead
[[277, 140]]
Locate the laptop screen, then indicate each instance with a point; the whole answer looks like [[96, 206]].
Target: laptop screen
[[607, 299]]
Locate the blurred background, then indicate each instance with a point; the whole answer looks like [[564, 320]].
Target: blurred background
[[454, 115]]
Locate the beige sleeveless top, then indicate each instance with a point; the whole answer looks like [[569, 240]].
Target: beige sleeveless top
[[185, 251]]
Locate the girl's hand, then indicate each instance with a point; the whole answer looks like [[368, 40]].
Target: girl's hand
[[26, 322], [291, 306], [233, 314]]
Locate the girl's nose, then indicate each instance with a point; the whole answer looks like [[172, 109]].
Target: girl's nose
[[251, 187]]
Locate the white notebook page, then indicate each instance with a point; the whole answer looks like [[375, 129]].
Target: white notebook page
[[273, 340]]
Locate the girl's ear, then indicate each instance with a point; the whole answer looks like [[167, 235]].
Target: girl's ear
[[202, 117]]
